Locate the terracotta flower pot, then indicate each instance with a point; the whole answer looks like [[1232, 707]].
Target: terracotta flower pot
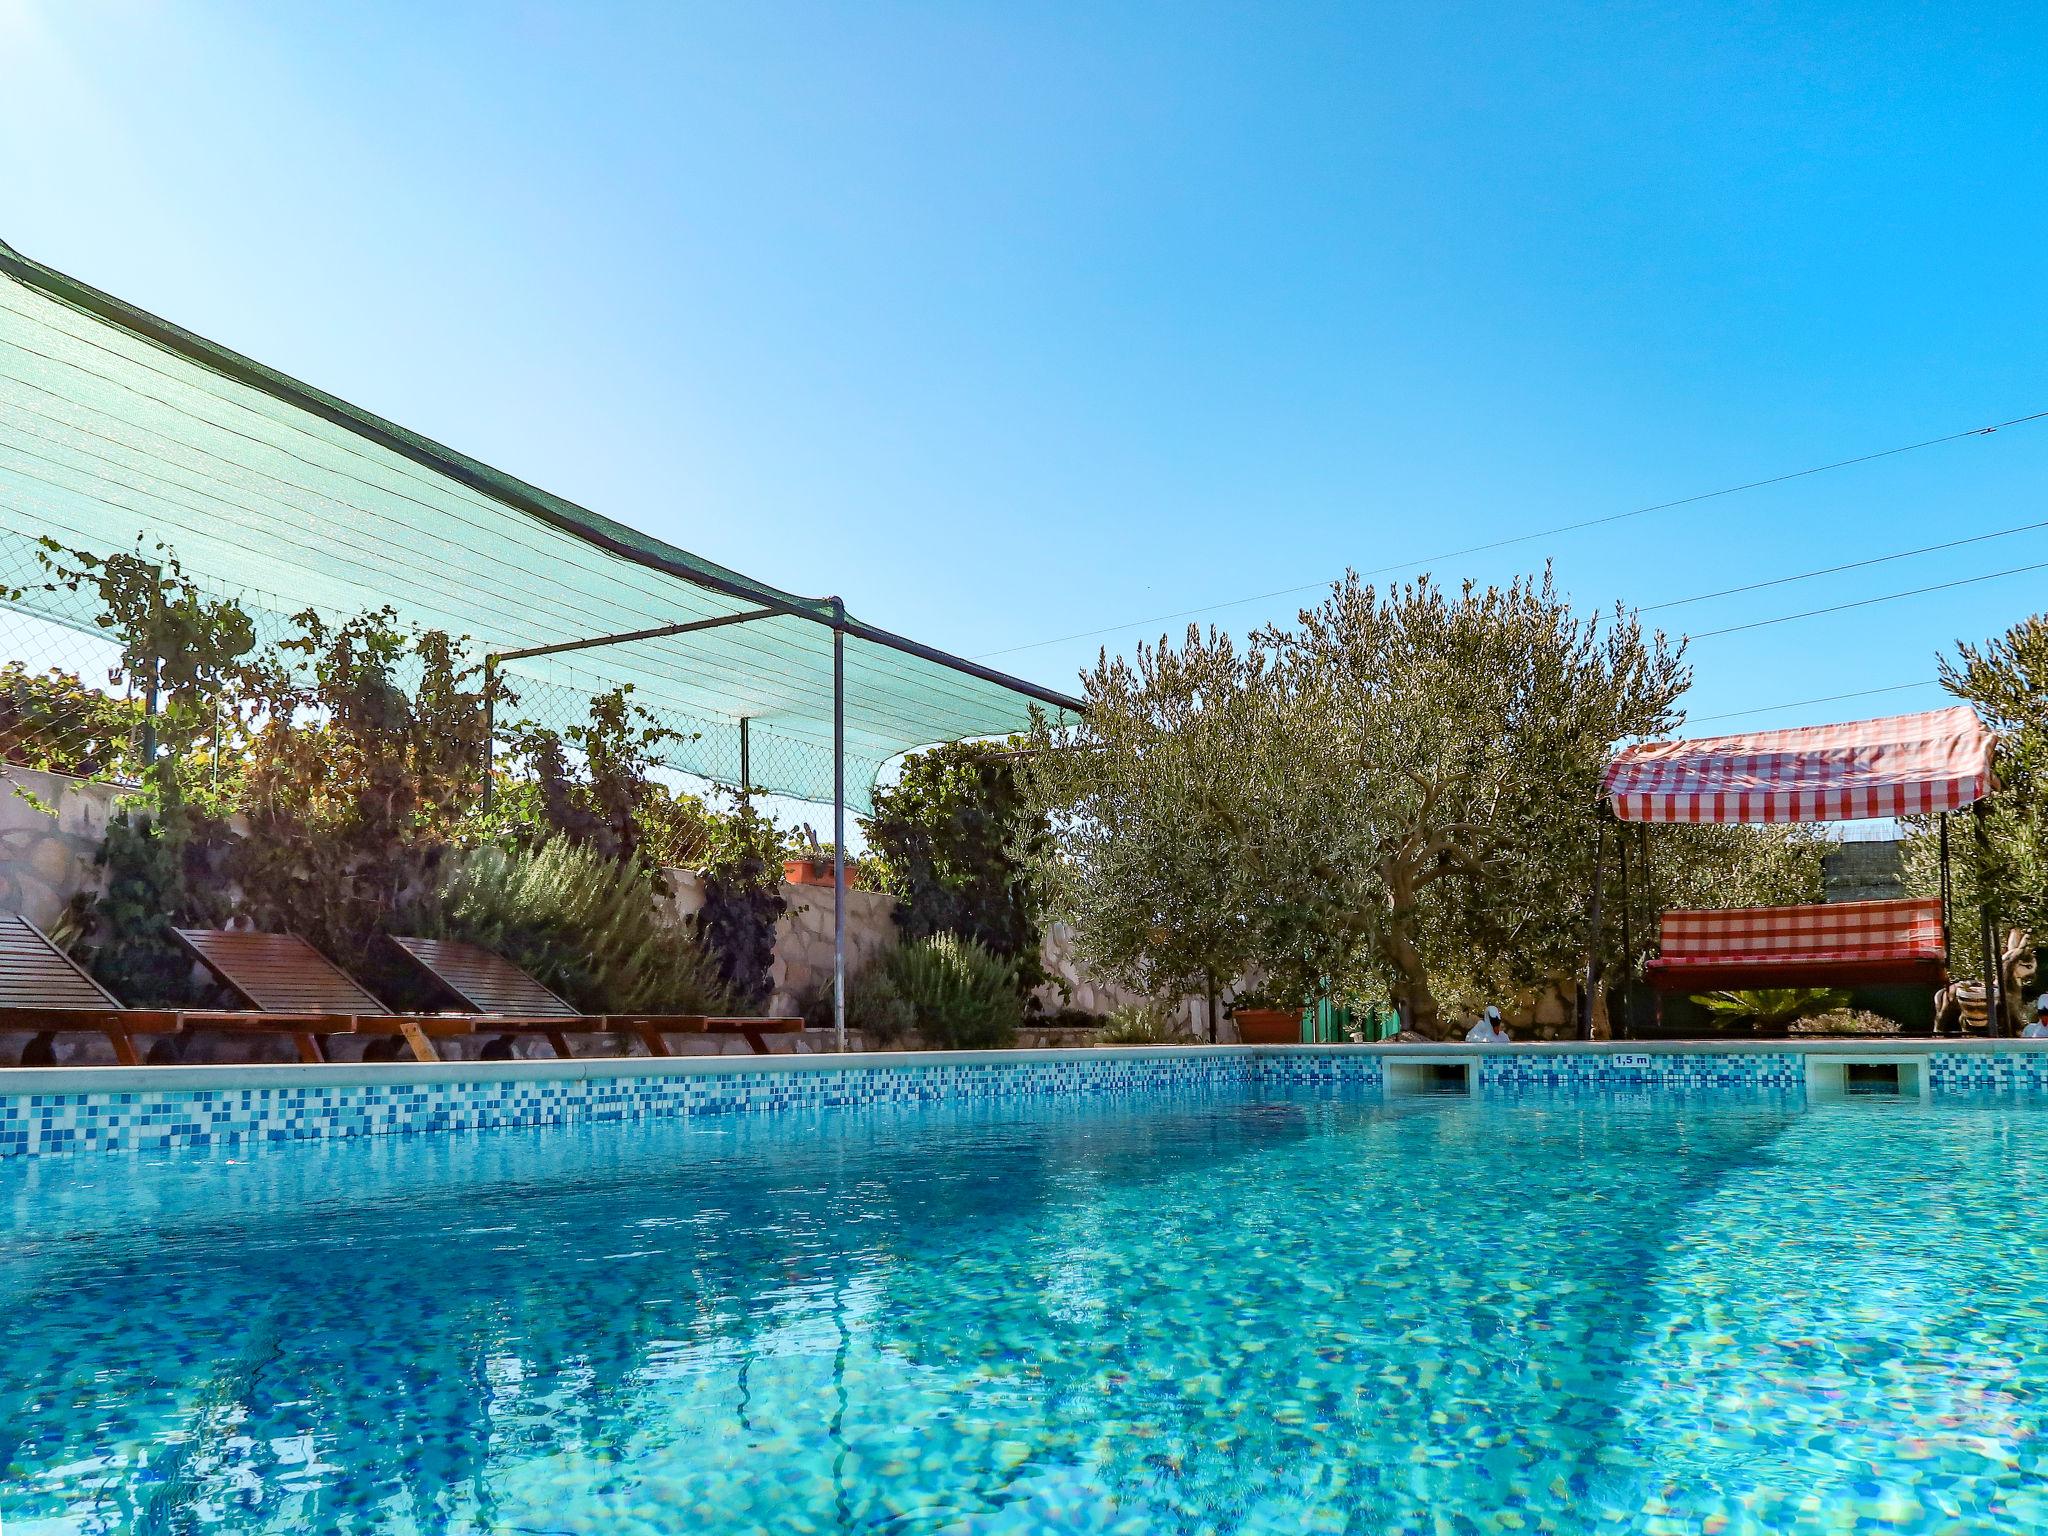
[[1268, 1026], [815, 872]]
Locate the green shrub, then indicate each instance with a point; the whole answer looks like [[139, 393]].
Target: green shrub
[[588, 927], [875, 1006], [127, 926], [961, 996], [947, 840], [742, 902], [1140, 1024], [54, 720], [1772, 1007]]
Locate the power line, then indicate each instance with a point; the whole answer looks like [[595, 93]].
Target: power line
[[1543, 533], [1853, 565], [1831, 698], [1869, 602]]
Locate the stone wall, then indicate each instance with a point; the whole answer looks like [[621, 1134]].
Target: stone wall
[[1070, 985], [803, 935], [47, 858], [1873, 870]]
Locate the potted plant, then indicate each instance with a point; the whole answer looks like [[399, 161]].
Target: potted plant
[[1260, 1023], [814, 866]]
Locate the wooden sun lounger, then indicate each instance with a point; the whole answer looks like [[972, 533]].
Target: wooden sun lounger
[[45, 990], [492, 985], [285, 978], [498, 994]]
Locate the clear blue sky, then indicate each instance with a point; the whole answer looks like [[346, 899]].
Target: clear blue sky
[[1007, 321]]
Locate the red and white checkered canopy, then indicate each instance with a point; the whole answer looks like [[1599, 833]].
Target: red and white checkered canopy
[[1902, 765]]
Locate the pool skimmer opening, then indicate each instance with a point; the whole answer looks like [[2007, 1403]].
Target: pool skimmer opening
[[1456, 1075], [1875, 1076]]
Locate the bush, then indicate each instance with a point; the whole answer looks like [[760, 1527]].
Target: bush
[[875, 1006], [947, 838], [127, 926], [961, 996], [1141, 1024], [742, 901], [1772, 1007], [53, 720], [588, 927]]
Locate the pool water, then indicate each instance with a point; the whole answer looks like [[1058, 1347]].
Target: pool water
[[1246, 1311]]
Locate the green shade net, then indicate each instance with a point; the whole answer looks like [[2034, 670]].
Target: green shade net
[[115, 425]]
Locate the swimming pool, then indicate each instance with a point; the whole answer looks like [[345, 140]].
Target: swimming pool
[[1243, 1306]]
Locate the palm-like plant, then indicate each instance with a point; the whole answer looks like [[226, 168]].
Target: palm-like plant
[[1772, 1007]]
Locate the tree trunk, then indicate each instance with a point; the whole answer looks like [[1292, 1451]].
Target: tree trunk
[[1412, 995]]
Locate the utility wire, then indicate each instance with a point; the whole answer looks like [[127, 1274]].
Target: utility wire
[[1853, 565], [1831, 698], [1869, 602], [1542, 533]]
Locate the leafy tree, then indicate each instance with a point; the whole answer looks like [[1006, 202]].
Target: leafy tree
[[1397, 792], [603, 794], [362, 748], [953, 835], [1474, 730], [2006, 681], [179, 648], [1182, 839]]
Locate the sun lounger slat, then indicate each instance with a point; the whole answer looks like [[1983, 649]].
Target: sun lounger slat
[[486, 982], [35, 973], [279, 973]]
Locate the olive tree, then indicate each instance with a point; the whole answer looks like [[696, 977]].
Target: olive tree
[[1394, 794], [1186, 846], [2006, 681], [1475, 728]]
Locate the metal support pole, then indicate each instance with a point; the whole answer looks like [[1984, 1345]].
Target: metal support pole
[[1994, 1012], [1947, 931], [746, 764], [490, 726], [1653, 910], [1593, 930], [1628, 948], [839, 828]]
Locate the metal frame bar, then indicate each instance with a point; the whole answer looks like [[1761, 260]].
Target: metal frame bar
[[1994, 1004], [838, 833], [1628, 948], [660, 631]]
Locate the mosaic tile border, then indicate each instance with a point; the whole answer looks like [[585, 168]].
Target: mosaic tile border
[[1988, 1072], [227, 1107], [1754, 1071], [46, 1124]]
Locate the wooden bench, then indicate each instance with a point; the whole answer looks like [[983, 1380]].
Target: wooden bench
[[1838, 944]]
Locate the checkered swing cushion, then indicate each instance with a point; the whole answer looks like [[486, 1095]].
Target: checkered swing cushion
[[1844, 941]]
